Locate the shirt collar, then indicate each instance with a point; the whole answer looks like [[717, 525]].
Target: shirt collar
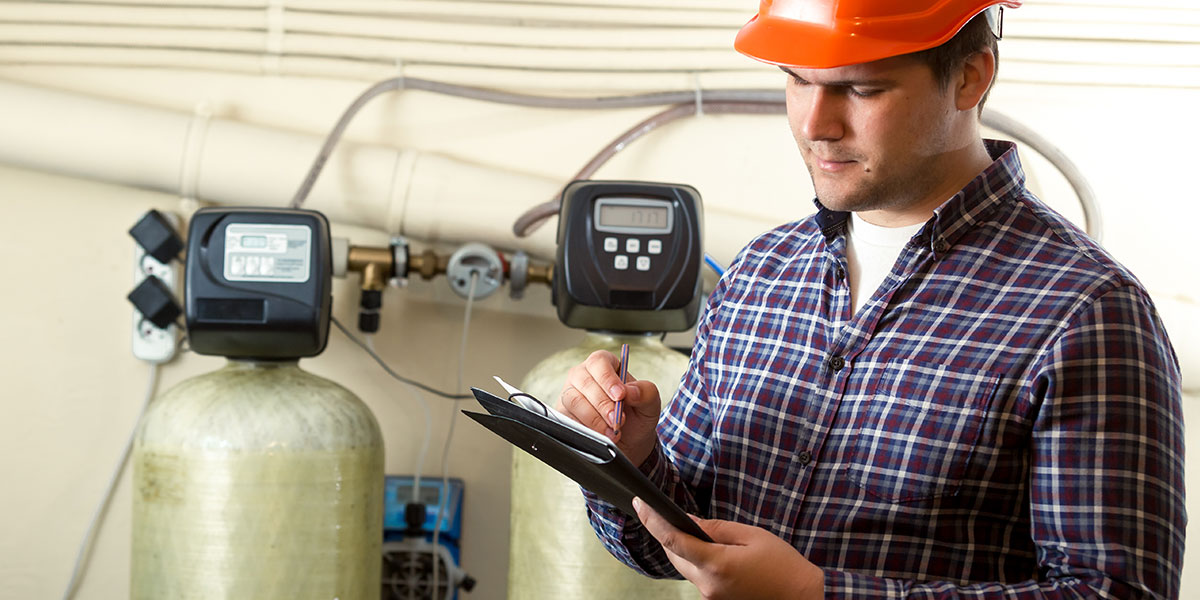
[[963, 211]]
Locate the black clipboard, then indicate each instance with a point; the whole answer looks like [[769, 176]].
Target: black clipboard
[[597, 466]]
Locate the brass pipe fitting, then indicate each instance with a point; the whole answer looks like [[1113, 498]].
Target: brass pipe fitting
[[375, 264], [541, 273], [428, 264]]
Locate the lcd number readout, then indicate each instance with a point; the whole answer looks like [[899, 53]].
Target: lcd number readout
[[617, 215]]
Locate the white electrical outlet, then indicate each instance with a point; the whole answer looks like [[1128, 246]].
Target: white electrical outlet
[[150, 343]]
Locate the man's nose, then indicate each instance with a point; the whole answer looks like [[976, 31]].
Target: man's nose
[[822, 120]]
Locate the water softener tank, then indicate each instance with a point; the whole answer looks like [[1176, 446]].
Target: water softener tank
[[259, 480], [553, 553]]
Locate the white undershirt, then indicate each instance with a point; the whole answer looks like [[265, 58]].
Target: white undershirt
[[871, 251]]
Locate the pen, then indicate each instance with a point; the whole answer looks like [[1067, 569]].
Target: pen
[[624, 368]]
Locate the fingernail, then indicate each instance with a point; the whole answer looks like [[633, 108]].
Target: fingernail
[[612, 418], [637, 504], [614, 392]]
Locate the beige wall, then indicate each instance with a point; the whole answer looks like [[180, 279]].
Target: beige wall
[[72, 389]]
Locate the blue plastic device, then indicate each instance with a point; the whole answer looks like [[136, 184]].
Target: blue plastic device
[[398, 490]]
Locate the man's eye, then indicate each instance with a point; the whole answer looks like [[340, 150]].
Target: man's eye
[[863, 93]]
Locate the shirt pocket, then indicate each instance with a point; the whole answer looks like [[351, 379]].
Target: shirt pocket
[[918, 431]]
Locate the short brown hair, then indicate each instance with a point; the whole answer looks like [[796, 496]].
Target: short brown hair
[[946, 59]]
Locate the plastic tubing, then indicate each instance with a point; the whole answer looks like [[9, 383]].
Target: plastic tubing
[[535, 216], [773, 103], [707, 98]]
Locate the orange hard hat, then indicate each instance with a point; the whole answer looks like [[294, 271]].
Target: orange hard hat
[[820, 34]]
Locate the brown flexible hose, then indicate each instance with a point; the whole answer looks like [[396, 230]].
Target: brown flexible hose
[[531, 219]]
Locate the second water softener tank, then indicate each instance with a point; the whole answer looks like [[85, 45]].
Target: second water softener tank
[[553, 552]]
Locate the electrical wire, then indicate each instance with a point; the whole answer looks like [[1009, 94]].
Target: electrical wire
[[367, 346], [369, 342], [462, 358], [424, 451], [395, 375], [89, 537]]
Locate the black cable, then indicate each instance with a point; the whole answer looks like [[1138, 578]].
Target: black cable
[[395, 375]]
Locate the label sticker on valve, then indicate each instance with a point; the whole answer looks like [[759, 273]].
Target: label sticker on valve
[[268, 253]]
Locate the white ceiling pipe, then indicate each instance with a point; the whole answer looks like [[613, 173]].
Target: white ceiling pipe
[[424, 196]]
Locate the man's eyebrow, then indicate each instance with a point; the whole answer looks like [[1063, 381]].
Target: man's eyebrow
[[876, 82]]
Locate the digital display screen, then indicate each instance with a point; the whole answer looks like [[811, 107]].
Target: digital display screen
[[254, 241], [640, 217]]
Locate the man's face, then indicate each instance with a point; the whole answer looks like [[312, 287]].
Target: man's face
[[872, 134]]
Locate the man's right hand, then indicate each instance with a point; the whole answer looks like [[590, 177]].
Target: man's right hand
[[590, 396]]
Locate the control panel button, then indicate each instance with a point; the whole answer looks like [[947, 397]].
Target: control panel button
[[610, 244], [654, 246], [643, 263], [633, 245], [621, 262]]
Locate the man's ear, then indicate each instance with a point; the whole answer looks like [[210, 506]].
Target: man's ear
[[974, 79]]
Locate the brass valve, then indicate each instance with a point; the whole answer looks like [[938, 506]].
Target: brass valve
[[380, 265]]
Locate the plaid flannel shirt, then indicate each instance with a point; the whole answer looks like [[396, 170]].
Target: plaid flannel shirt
[[1001, 419]]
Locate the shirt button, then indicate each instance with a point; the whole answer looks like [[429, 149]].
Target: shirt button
[[840, 273], [940, 246], [804, 457], [836, 363]]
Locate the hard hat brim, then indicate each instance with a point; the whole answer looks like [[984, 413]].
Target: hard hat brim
[[810, 46]]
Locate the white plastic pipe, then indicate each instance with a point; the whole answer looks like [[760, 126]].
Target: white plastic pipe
[[421, 195], [424, 196]]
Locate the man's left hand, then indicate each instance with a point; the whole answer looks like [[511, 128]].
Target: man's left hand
[[745, 562]]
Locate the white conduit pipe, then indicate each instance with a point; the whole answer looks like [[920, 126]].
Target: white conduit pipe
[[421, 195], [424, 196]]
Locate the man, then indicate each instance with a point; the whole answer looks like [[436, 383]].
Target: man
[[935, 387]]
